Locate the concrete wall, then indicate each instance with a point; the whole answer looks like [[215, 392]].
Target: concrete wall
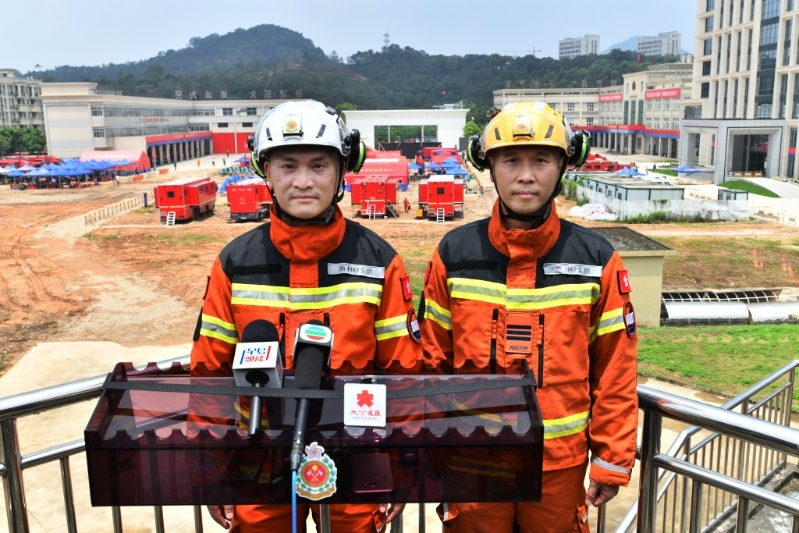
[[646, 279], [68, 129]]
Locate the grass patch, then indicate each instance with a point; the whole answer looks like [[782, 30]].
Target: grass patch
[[144, 210], [725, 359], [665, 217], [189, 238], [742, 185]]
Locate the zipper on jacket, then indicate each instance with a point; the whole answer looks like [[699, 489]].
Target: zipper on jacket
[[282, 322], [492, 362], [327, 319], [541, 352]]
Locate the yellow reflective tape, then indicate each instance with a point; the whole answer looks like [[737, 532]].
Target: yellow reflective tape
[[563, 427], [217, 335], [478, 290], [218, 322], [390, 321], [438, 314], [609, 322], [391, 334]]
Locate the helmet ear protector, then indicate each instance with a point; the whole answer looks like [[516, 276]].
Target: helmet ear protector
[[579, 148], [356, 151], [474, 153]]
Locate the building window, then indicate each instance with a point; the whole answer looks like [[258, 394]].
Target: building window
[[791, 144], [569, 107], [706, 68], [708, 49], [749, 52], [711, 5], [771, 9], [589, 106], [746, 97], [783, 94], [729, 50], [227, 111], [222, 125], [786, 46], [709, 24], [97, 111], [735, 101], [738, 54], [250, 111], [246, 124], [589, 121], [99, 133]]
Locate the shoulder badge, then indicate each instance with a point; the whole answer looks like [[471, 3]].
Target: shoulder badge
[[624, 282], [407, 291], [413, 327], [629, 319], [317, 476]]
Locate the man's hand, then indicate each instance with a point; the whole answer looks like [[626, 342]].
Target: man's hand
[[597, 494], [222, 514], [391, 511]]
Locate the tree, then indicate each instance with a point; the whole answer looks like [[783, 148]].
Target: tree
[[471, 128]]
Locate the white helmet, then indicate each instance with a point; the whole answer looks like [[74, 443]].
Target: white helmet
[[306, 123]]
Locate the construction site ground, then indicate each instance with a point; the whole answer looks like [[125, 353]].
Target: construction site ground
[[130, 279], [80, 277]]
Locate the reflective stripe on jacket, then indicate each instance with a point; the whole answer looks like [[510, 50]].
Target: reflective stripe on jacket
[[551, 296], [342, 274]]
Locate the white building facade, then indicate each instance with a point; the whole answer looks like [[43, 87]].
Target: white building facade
[[668, 43], [745, 118], [20, 101], [569, 48]]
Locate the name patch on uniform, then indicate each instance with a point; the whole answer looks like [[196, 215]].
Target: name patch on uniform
[[570, 269], [365, 271]]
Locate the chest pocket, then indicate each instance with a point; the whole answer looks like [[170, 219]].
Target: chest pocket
[[560, 337]]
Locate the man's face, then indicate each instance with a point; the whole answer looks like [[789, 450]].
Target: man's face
[[526, 176], [303, 179]]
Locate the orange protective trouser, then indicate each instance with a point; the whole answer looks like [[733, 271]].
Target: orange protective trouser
[[277, 518], [562, 508]]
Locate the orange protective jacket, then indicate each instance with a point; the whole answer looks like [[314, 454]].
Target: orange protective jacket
[[341, 274], [557, 296]]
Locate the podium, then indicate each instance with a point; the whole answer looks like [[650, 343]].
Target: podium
[[162, 437]]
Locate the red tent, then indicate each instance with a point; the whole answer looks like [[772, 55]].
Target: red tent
[[138, 158]]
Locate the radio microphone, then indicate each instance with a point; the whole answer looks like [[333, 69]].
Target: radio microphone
[[312, 347], [257, 363]]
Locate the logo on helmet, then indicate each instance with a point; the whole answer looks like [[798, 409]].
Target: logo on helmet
[[291, 126], [523, 126]]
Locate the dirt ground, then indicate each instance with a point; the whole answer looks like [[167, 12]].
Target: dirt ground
[[132, 280]]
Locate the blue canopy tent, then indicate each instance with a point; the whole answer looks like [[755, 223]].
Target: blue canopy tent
[[415, 166], [457, 172], [686, 169], [626, 171]]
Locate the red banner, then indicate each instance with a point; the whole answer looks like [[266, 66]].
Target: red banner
[[613, 97], [662, 93]]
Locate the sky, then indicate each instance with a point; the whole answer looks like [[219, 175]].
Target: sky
[[52, 33]]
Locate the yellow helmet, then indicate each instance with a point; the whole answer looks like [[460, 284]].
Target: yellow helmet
[[527, 123]]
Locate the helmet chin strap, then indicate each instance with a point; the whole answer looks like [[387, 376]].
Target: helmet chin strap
[[338, 195]]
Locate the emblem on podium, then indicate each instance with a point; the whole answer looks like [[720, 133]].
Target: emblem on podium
[[317, 475]]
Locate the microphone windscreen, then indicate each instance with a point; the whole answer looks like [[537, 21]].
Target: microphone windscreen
[[259, 331], [310, 362]]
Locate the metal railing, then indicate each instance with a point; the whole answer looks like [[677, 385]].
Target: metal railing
[[724, 453], [698, 485]]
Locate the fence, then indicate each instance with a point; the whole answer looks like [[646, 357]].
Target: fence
[[115, 209]]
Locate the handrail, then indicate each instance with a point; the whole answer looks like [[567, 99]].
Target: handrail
[[679, 442], [714, 418]]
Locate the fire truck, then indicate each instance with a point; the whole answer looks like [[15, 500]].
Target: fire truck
[[187, 198], [249, 200], [443, 195], [599, 163], [374, 196]]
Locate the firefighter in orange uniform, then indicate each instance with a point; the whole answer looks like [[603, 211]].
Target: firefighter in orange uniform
[[308, 263], [526, 285]]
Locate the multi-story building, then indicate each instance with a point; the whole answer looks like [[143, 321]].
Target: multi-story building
[[668, 43], [80, 118], [581, 46], [745, 115], [20, 101], [642, 115]]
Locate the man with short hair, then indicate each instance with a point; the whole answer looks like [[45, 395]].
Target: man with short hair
[[309, 263], [524, 286]]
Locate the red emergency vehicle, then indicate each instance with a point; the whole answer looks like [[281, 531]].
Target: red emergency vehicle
[[188, 198], [374, 196], [249, 200], [444, 196]]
